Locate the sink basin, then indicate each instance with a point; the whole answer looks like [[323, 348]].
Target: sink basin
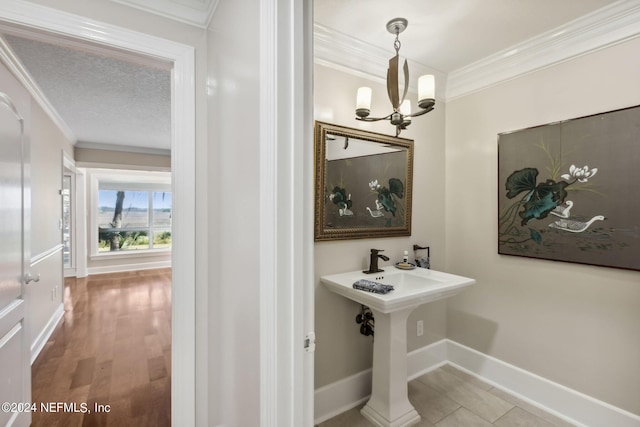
[[411, 287], [389, 404]]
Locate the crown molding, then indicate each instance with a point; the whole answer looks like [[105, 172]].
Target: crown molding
[[9, 58], [605, 27], [123, 148], [342, 52], [193, 12]]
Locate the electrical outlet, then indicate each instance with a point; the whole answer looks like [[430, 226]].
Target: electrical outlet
[[420, 328]]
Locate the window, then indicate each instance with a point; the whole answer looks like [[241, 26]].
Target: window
[[132, 212]]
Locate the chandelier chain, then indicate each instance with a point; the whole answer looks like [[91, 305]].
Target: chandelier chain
[[396, 43]]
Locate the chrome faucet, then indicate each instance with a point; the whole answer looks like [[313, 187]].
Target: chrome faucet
[[373, 263]]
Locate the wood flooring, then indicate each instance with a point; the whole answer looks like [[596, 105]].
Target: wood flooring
[[448, 397], [108, 363]]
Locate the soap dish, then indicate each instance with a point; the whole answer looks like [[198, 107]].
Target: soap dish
[[405, 265]]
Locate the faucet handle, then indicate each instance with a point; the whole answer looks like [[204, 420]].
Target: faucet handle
[[375, 251]]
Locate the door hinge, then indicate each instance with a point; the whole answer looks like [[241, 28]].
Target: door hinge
[[310, 342]]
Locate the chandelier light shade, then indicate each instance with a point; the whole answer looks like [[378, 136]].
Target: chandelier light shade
[[401, 115]]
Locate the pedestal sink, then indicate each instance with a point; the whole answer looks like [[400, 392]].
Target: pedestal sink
[[389, 404]]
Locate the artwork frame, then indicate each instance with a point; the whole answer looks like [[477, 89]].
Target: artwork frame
[[567, 190], [363, 183]]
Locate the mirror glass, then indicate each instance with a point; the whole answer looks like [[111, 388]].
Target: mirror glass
[[363, 183]]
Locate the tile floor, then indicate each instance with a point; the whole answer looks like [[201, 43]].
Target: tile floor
[[448, 397]]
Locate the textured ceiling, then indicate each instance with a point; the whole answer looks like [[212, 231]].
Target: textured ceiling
[[103, 100]]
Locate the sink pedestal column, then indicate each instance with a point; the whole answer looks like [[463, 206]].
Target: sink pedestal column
[[389, 404]]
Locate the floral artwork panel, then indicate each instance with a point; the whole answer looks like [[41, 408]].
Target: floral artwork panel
[[568, 191]]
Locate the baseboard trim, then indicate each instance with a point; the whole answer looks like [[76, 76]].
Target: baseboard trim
[[43, 337], [571, 405], [342, 395], [129, 267], [568, 404]]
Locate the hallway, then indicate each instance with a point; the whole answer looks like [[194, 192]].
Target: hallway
[[111, 353]]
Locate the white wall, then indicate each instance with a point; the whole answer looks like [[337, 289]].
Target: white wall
[[131, 18], [577, 325], [47, 145], [258, 218], [233, 214], [341, 350]]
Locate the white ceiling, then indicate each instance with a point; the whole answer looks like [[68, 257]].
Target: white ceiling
[[447, 35], [113, 99]]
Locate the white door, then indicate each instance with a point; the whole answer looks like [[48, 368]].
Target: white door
[[15, 369]]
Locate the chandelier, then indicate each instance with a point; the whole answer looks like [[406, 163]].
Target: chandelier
[[401, 115]]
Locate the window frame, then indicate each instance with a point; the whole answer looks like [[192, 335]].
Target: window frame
[[155, 180]]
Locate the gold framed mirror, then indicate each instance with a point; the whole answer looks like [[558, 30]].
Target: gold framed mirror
[[363, 183]]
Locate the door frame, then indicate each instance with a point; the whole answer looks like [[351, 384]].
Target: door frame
[[40, 18], [287, 291], [69, 169]]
